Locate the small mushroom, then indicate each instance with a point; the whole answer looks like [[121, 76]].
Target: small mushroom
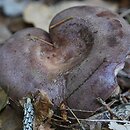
[[76, 62]]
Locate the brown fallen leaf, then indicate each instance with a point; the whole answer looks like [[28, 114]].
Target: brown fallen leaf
[[42, 106], [63, 111]]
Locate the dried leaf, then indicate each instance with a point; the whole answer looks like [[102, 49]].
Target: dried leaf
[[63, 111], [3, 99], [10, 120], [45, 127], [42, 106]]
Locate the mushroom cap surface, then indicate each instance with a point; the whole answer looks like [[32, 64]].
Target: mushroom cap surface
[[76, 62]]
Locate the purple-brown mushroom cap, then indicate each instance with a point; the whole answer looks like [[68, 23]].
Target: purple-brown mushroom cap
[[77, 61]]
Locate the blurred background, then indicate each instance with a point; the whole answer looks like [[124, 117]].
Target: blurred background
[[18, 14]]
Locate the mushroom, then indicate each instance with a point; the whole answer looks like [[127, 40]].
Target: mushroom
[[76, 62]]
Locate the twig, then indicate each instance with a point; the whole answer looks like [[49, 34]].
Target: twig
[[123, 99], [100, 120], [77, 119], [38, 38], [57, 116], [126, 93], [60, 118], [71, 118], [105, 120], [78, 110], [61, 22], [125, 13], [56, 120], [84, 111], [107, 107], [109, 104]]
